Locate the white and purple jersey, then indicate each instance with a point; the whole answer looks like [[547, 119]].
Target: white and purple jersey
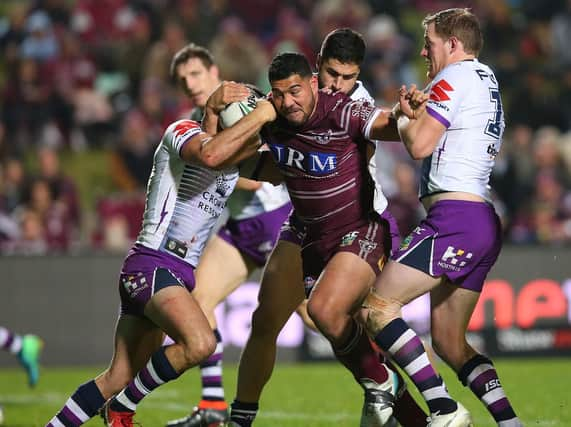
[[246, 204], [465, 98], [360, 93], [184, 200]]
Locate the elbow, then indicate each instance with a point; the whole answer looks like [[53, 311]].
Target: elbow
[[213, 161], [419, 150], [418, 155]]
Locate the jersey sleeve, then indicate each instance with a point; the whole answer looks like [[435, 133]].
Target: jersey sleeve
[[362, 115], [179, 133], [447, 91]]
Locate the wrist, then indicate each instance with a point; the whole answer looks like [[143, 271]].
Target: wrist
[[396, 112]]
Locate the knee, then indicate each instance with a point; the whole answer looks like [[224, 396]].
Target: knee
[[381, 311], [113, 381], [327, 317], [200, 348]]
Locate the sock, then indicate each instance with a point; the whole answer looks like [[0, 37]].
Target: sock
[[10, 341], [480, 375], [211, 375], [407, 350], [157, 372], [360, 358], [80, 407], [243, 413]]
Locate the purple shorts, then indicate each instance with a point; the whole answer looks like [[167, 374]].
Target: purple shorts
[[256, 236], [458, 239], [370, 241], [293, 230], [146, 271], [393, 230]]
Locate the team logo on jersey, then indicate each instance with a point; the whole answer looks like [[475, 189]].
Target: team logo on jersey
[[349, 238], [316, 163], [367, 246], [222, 185], [439, 91], [492, 151], [453, 259], [323, 138]]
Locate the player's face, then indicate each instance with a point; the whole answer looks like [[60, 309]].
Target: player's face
[[295, 98], [197, 81], [337, 76], [436, 51]]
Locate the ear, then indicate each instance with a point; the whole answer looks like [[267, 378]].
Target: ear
[[215, 71], [314, 83], [453, 44], [318, 61]]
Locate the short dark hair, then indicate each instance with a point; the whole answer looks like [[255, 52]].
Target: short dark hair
[[287, 64], [345, 45], [460, 23], [188, 52]]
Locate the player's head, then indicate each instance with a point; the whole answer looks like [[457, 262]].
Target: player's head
[[450, 35], [294, 87], [194, 71], [339, 59]]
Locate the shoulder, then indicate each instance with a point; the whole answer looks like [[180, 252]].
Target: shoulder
[[179, 132], [360, 93]]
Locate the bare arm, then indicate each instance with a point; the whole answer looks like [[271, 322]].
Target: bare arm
[[248, 184], [419, 131], [232, 145], [384, 128]]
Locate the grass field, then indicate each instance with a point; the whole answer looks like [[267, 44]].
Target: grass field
[[307, 395]]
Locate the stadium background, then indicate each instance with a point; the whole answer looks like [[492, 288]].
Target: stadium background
[[85, 96]]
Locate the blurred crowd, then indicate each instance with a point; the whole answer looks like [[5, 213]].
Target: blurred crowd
[[82, 78]]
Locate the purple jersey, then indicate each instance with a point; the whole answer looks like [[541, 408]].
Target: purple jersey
[[325, 164]]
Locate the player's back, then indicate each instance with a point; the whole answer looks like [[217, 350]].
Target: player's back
[[184, 200], [325, 164]]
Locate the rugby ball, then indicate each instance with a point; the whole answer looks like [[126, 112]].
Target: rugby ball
[[236, 110]]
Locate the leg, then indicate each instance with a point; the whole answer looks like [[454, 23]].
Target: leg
[[135, 340], [344, 283], [397, 285], [221, 270], [27, 348], [174, 311], [452, 308], [281, 291]]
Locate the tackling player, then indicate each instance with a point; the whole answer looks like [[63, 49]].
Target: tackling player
[[192, 177], [457, 133], [242, 244]]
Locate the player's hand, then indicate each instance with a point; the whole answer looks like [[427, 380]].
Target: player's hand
[[226, 93], [412, 101], [266, 109]]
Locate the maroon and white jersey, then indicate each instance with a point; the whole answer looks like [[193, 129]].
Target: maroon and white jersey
[[324, 162]]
